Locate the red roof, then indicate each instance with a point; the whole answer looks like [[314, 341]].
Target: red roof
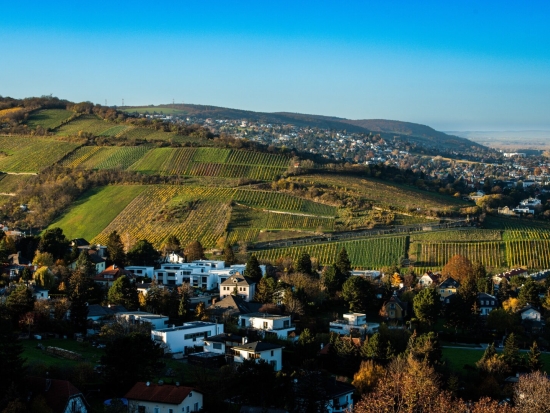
[[166, 393], [56, 392]]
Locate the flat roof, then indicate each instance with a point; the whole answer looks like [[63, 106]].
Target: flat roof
[[187, 326]]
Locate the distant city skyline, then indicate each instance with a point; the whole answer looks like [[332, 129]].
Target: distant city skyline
[[455, 66]]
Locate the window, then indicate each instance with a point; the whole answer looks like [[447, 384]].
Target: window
[[442, 291], [170, 410], [217, 346], [392, 306], [273, 363], [196, 407], [271, 353], [265, 324], [191, 394], [141, 409], [157, 409]]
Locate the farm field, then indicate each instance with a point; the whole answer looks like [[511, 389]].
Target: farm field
[[9, 184], [283, 202], [384, 194], [48, 118], [95, 210], [31, 155], [364, 253]]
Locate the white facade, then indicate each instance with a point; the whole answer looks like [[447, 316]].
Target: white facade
[[141, 271], [353, 322], [40, 294], [366, 273], [191, 334], [530, 314], [165, 398], [280, 325], [271, 353], [238, 285], [157, 321]]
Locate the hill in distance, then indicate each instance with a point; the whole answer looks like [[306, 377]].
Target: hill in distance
[[421, 134]]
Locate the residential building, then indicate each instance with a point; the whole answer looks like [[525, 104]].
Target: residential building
[[40, 293], [529, 313], [61, 396], [238, 285], [141, 271], [110, 275], [395, 309], [189, 335], [428, 279], [353, 322], [259, 350], [147, 397], [268, 324], [447, 288], [486, 303], [231, 306], [157, 321]]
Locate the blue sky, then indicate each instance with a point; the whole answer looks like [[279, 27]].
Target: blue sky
[[454, 65]]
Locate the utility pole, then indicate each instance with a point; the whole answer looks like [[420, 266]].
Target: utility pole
[[122, 101]]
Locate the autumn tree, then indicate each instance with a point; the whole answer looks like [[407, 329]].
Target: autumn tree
[[532, 393], [229, 255], [43, 259], [533, 358], [44, 278], [172, 244], [194, 251], [367, 377], [458, 267], [19, 302]]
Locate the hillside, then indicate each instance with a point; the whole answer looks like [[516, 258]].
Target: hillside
[[387, 128]]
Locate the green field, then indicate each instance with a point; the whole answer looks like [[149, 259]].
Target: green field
[[34, 355], [91, 213], [457, 358], [31, 155], [85, 123], [105, 157], [48, 118]]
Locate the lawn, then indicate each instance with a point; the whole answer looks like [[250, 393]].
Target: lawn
[[456, 358], [48, 118], [34, 355], [95, 210]]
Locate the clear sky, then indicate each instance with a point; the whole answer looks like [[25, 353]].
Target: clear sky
[[454, 65]]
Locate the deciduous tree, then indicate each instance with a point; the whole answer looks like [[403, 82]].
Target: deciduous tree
[[194, 251]]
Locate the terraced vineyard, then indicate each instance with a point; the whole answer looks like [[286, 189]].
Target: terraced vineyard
[[105, 157], [135, 132], [366, 253], [489, 254], [458, 235], [528, 253], [48, 118], [31, 155]]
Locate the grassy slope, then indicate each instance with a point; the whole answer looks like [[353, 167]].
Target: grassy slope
[[95, 210]]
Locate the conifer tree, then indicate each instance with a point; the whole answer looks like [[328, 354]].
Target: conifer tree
[[252, 269], [534, 362]]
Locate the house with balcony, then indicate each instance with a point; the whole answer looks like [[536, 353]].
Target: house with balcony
[[189, 335], [141, 271], [353, 323], [268, 324], [259, 350]]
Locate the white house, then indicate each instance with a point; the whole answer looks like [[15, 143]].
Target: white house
[[190, 334], [60, 396], [486, 303], [372, 274], [222, 343], [239, 285], [529, 313], [340, 397], [428, 279], [141, 271], [353, 322], [157, 321], [258, 350], [279, 325], [146, 397], [40, 293]]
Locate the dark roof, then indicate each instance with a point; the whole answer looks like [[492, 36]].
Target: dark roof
[[527, 307], [236, 303], [449, 283], [337, 388], [18, 259], [56, 392], [94, 257], [79, 242], [395, 299], [96, 310], [237, 279], [166, 393], [224, 337], [258, 346]]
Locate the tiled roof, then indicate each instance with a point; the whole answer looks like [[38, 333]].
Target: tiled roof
[[56, 392], [165, 393]]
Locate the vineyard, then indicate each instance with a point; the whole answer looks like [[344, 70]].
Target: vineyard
[[142, 218], [458, 235], [9, 184], [528, 253], [211, 162], [48, 118], [85, 123], [437, 254], [31, 155], [95, 210], [105, 157], [282, 202], [365, 253]]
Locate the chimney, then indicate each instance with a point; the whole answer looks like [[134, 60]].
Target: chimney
[[245, 340]]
